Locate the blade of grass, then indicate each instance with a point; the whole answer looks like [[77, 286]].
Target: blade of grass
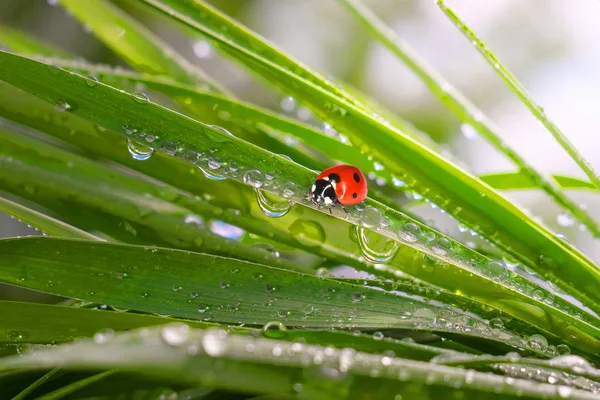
[[521, 181], [143, 50], [75, 386], [189, 132], [461, 195], [511, 81], [20, 41], [467, 112], [43, 222], [39, 382], [321, 373]]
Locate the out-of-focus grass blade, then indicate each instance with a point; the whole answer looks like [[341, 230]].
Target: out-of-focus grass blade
[[143, 50], [215, 358], [39, 382], [75, 386], [166, 128], [461, 107], [43, 222], [461, 195], [20, 41], [521, 181], [518, 89]]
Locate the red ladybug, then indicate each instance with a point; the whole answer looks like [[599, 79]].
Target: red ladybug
[[342, 184]]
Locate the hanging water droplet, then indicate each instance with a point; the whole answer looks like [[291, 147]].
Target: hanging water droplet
[[61, 106], [270, 205], [141, 98], [375, 247], [139, 151], [253, 178], [274, 330], [510, 261], [537, 342], [221, 129], [210, 174], [410, 232]]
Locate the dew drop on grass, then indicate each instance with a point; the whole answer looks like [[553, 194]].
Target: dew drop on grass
[[537, 342], [378, 335], [91, 81], [193, 219], [274, 330], [202, 308], [211, 174], [563, 350], [288, 104], [370, 217], [565, 220], [323, 273], [270, 206], [141, 98], [410, 232], [468, 131], [103, 336], [202, 49], [61, 106], [214, 163], [423, 318], [564, 391], [442, 247], [214, 344], [375, 247], [169, 148], [495, 271], [253, 178], [139, 151], [357, 296], [496, 323]]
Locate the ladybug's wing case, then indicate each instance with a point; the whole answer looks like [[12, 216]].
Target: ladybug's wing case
[[352, 188]]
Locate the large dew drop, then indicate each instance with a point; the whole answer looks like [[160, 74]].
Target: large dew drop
[[375, 247], [270, 205], [254, 178], [370, 217], [495, 271], [274, 330], [139, 151], [410, 232]]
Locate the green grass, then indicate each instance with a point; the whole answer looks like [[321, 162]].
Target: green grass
[[132, 187]]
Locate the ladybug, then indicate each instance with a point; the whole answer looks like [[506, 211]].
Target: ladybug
[[342, 184]]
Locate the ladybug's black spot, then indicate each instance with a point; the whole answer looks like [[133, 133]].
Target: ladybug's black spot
[[354, 195], [356, 177], [334, 178]]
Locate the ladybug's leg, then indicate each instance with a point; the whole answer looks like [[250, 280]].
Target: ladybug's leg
[[344, 208], [330, 211]]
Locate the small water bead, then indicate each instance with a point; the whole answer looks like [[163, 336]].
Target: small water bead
[[537, 342], [563, 350], [370, 217], [270, 206], [565, 220], [288, 104], [496, 323], [468, 131], [104, 336], [398, 182], [410, 232], [253, 178], [169, 148], [378, 335], [150, 138], [175, 335], [139, 151], [141, 98], [495, 271], [564, 391], [304, 114], [274, 330], [442, 246], [423, 318], [214, 163], [202, 49], [328, 129], [202, 308], [322, 273], [357, 296], [61, 106], [91, 81]]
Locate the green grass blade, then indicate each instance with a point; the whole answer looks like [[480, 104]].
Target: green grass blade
[[511, 81], [456, 102], [305, 232], [314, 371], [521, 181], [461, 195], [134, 43], [17, 40], [39, 382], [43, 222], [73, 387]]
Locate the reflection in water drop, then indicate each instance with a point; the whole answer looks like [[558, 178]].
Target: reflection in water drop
[[139, 151], [375, 247], [270, 206]]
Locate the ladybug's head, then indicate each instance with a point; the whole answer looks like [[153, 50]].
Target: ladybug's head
[[322, 192]]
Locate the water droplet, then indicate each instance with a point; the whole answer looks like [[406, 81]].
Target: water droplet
[[537, 342], [175, 335], [202, 49], [375, 247], [423, 318], [370, 217], [194, 219], [288, 104], [202, 308], [61, 106], [214, 344], [103, 336], [224, 285], [307, 309], [565, 220], [410, 232], [307, 233], [328, 129], [91, 81], [564, 391], [323, 273], [270, 205], [169, 148], [214, 163], [357, 296], [563, 350], [496, 323], [495, 271], [441, 246], [141, 98], [226, 230], [378, 335], [253, 178], [510, 261], [139, 151], [274, 330]]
